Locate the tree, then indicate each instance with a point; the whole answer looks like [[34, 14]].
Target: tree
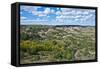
[[24, 36]]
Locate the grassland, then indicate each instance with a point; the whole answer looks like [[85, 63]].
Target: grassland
[[42, 43]]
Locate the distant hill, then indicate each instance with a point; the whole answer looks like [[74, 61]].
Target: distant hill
[[72, 26], [59, 25]]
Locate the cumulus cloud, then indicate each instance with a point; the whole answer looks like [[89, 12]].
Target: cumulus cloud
[[57, 8], [22, 17], [65, 17], [65, 9], [33, 20], [47, 11], [42, 13], [52, 11], [91, 11], [30, 9], [59, 20], [85, 12], [38, 13], [88, 17], [34, 12], [59, 15], [76, 14]]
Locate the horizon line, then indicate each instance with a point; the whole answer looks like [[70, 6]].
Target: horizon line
[[58, 24]]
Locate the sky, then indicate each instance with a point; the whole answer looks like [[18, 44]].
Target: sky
[[40, 15]]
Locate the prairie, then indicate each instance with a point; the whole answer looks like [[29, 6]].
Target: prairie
[[48, 43]]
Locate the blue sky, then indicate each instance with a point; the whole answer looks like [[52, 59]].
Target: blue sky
[[35, 15]]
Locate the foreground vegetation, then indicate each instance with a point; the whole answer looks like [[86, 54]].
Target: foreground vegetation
[[42, 43]]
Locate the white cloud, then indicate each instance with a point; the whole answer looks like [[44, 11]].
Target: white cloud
[[38, 13], [22, 17], [65, 17], [67, 13], [34, 12], [58, 13], [42, 13], [57, 8], [88, 17], [76, 15], [61, 15], [29, 9], [60, 20], [52, 11], [47, 11], [33, 20], [65, 9], [38, 19], [91, 11], [85, 12], [76, 19], [78, 12]]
